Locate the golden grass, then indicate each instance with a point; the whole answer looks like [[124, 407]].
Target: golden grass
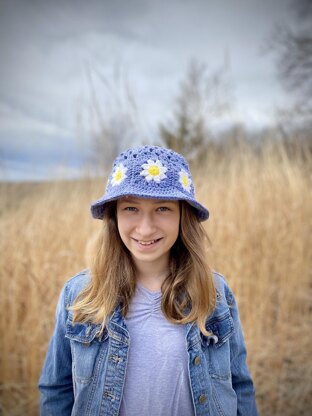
[[261, 237]]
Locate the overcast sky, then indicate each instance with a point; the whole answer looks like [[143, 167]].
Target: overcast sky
[[54, 52]]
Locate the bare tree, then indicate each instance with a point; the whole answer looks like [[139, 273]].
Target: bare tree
[[292, 47], [202, 95], [115, 115]]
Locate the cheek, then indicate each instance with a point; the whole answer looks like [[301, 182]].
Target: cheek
[[125, 227], [123, 235], [173, 229], [121, 227]]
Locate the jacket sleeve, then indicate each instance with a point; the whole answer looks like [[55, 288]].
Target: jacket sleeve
[[241, 379], [55, 383]]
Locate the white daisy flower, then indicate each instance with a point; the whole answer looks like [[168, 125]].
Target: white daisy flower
[[119, 174], [154, 171], [185, 180]]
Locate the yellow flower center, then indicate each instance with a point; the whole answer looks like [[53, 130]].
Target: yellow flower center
[[185, 180], [118, 175], [154, 170]]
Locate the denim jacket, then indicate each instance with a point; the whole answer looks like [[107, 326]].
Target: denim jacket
[[83, 374]]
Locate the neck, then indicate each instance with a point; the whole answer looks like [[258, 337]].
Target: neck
[[151, 277]]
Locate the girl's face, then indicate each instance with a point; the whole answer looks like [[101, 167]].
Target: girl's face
[[148, 228]]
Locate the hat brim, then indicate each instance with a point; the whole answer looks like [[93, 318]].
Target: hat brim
[[98, 207]]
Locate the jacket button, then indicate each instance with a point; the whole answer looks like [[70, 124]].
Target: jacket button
[[202, 398], [197, 360]]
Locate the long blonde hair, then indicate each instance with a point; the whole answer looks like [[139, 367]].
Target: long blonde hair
[[189, 294]]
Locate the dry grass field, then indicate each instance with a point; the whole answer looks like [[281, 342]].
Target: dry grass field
[[260, 229]]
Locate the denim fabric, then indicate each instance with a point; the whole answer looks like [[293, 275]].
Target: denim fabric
[[84, 374]]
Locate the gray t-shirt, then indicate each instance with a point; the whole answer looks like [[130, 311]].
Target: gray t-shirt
[[157, 381]]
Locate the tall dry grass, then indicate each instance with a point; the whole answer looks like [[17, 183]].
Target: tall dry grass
[[260, 229]]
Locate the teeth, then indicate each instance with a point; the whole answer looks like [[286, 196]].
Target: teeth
[[147, 243]]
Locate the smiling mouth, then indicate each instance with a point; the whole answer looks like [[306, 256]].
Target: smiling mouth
[[148, 243]]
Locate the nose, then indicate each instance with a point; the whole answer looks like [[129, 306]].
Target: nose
[[146, 226]]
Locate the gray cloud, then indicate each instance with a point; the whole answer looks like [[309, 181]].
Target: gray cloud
[[49, 49]]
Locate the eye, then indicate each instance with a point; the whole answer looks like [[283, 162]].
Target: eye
[[130, 209], [163, 209]]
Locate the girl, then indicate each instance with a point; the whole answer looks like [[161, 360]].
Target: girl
[[148, 330]]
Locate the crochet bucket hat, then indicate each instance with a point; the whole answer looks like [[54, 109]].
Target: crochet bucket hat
[[149, 172]]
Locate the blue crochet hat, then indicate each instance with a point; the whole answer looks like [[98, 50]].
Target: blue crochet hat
[[150, 172]]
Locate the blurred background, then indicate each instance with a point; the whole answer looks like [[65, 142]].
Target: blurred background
[[229, 85]]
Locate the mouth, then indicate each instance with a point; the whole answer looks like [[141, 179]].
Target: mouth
[[147, 243]]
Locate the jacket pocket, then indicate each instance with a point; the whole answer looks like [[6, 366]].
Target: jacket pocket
[[218, 346], [86, 349]]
